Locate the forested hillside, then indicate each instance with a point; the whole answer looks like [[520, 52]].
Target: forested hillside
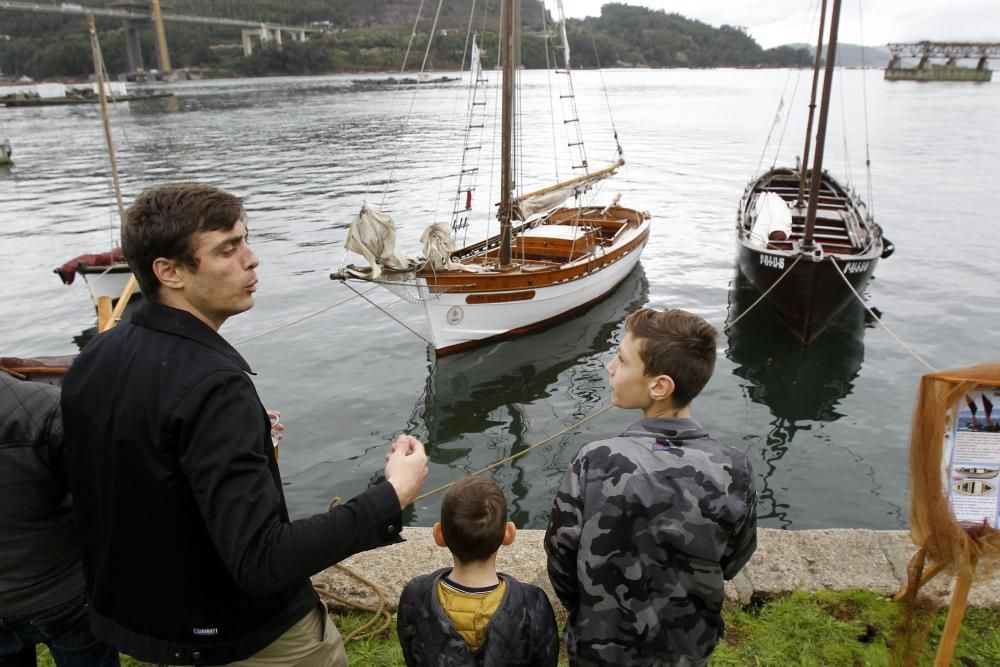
[[372, 35]]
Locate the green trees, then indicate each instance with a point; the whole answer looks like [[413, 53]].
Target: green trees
[[370, 35]]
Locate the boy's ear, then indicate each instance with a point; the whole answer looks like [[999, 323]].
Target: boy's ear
[[439, 535], [661, 388], [508, 534]]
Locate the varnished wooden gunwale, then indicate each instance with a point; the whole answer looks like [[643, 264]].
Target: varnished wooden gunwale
[[460, 281]]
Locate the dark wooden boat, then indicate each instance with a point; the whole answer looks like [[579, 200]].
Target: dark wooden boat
[[798, 237]]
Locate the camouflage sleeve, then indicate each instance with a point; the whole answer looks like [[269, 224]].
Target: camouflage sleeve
[[562, 539], [743, 542], [546, 640]]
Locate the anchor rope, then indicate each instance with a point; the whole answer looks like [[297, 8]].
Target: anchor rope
[[879, 320]]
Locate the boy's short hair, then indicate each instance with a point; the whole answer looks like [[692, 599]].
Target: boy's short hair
[[473, 518], [163, 221], [677, 343]]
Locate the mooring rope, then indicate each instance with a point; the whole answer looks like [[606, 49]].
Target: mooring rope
[[379, 611], [879, 320], [762, 296], [522, 452]]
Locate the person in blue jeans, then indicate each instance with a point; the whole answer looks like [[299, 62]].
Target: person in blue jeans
[[41, 576]]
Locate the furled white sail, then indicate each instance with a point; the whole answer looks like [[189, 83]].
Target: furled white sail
[[545, 200], [373, 236]]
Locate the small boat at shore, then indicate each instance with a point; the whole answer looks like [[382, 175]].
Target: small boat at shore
[[805, 240], [108, 277]]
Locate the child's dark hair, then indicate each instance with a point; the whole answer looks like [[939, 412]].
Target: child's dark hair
[[676, 343], [473, 518]]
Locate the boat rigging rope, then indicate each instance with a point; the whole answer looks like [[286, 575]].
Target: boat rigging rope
[[301, 319], [386, 312], [864, 97], [762, 296], [877, 319], [430, 37]]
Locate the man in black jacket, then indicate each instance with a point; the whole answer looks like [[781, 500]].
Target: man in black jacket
[[41, 580], [188, 551]]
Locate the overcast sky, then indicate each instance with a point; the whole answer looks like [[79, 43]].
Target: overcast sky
[[776, 22]]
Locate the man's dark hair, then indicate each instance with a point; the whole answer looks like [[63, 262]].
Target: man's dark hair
[[162, 222], [676, 343], [473, 518]]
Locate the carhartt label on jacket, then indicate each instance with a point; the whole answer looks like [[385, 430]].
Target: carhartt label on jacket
[[204, 632]]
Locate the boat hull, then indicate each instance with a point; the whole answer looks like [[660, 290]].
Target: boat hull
[[811, 296], [811, 292], [460, 320]]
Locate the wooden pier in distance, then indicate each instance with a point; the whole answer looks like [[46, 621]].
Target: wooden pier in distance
[[950, 70]]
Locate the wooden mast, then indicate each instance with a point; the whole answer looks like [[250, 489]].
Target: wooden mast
[[804, 165], [106, 318], [507, 14], [824, 109]]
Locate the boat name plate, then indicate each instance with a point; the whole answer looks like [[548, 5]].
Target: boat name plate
[[773, 261]]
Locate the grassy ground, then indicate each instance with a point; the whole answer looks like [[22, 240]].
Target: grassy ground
[[850, 628]]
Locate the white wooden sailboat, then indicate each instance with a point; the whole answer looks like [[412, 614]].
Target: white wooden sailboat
[[548, 261]]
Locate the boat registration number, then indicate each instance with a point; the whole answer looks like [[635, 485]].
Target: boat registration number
[[856, 267], [772, 261]]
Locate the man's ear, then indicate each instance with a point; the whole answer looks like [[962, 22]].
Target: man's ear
[[438, 535], [509, 532], [168, 273], [662, 388]]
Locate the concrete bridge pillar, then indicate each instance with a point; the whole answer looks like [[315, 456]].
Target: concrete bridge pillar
[[133, 47], [247, 36]]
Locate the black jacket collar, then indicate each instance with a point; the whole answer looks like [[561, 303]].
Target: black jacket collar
[[178, 322]]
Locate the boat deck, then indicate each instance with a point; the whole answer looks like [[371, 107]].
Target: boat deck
[[565, 236], [838, 228]]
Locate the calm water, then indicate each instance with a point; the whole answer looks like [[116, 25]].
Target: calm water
[[825, 428]]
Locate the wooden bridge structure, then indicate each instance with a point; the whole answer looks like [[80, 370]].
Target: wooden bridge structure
[[951, 52], [139, 16]]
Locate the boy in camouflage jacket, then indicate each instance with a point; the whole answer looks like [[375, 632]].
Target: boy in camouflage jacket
[[646, 526], [471, 615]]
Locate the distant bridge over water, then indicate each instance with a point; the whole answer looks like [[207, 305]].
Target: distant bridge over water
[[951, 52], [141, 16]]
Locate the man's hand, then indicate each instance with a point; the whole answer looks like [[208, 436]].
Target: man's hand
[[406, 468]]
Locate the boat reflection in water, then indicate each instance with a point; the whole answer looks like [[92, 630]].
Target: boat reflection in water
[[486, 404], [799, 385]]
